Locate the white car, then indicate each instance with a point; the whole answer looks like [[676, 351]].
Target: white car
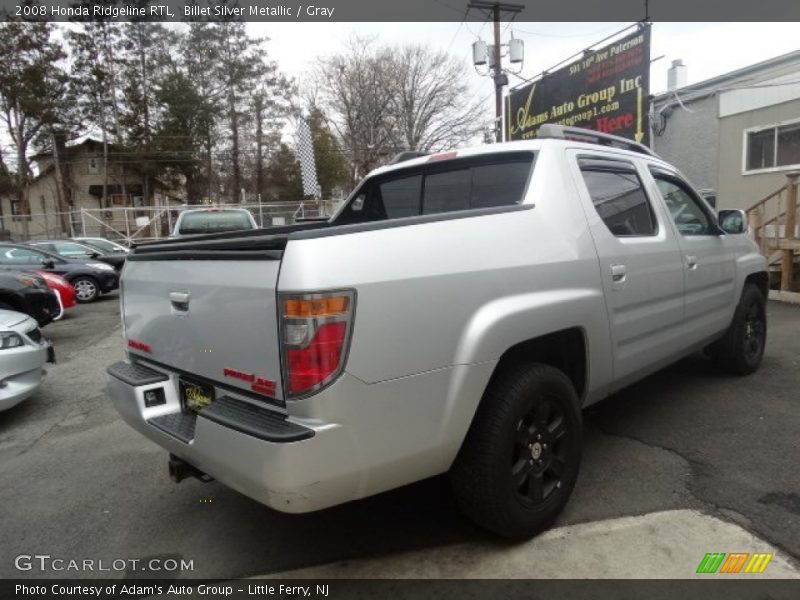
[[213, 220], [23, 353]]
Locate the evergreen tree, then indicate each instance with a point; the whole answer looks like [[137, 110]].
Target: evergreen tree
[[198, 59], [33, 92], [283, 175], [244, 104], [180, 134], [94, 50], [332, 166], [144, 56]]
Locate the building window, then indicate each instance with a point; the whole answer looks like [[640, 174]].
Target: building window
[[93, 165], [788, 147], [19, 211], [773, 147]]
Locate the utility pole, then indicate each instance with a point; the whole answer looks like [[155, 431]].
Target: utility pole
[[496, 10], [500, 78]]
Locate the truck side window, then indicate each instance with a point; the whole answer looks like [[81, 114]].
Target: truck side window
[[618, 197], [481, 186], [689, 216], [499, 184], [400, 197], [447, 191]]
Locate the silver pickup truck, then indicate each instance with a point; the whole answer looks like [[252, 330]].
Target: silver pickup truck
[[454, 316]]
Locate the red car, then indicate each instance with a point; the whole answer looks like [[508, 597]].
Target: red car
[[63, 289]]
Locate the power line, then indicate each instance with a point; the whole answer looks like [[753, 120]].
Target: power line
[[460, 25], [565, 36], [510, 21], [478, 35], [446, 5], [577, 54]]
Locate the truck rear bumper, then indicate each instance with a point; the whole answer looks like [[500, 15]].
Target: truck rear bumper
[[292, 465]]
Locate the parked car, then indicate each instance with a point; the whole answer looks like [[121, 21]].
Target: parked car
[[71, 249], [90, 278], [23, 353], [212, 220], [62, 288], [455, 315], [28, 293], [103, 244]]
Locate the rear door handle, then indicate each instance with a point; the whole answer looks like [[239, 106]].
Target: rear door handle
[[179, 301], [691, 262], [618, 276]]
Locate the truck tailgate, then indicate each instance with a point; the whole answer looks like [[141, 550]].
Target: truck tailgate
[[214, 319]]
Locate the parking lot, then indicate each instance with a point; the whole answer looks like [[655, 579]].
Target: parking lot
[[78, 483]]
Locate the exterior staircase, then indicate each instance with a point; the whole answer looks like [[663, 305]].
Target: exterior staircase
[[774, 224]]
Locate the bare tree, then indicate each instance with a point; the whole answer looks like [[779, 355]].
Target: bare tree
[[432, 101], [381, 100], [355, 90]]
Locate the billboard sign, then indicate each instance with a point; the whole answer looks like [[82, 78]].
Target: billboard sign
[[605, 90]]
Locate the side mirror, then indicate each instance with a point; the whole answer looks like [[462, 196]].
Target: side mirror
[[733, 221], [48, 263], [93, 254]]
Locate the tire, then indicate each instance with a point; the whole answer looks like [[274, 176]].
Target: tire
[[86, 289], [520, 459], [740, 351]]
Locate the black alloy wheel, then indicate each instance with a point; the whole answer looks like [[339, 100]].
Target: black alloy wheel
[[517, 467], [540, 452], [755, 332]]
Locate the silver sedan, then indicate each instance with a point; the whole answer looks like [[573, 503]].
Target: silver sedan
[[23, 353]]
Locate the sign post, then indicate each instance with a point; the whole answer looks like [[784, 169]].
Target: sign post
[[606, 90]]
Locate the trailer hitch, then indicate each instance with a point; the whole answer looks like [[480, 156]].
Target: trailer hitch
[[179, 470]]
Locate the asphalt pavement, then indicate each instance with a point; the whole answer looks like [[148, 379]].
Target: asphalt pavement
[[79, 483]]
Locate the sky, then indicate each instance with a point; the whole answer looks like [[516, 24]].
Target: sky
[[707, 49]]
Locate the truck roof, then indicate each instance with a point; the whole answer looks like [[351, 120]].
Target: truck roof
[[515, 146], [617, 145]]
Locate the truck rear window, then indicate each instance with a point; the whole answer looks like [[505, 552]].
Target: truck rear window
[[401, 196], [440, 187], [214, 221]]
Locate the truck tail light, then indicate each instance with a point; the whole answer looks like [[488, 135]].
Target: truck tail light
[[315, 335]]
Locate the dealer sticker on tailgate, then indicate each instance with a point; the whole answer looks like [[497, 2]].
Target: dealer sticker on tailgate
[[195, 395]]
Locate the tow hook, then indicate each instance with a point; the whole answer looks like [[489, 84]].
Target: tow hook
[[179, 470]]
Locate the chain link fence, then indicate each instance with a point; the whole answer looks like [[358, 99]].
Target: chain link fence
[[137, 224]]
